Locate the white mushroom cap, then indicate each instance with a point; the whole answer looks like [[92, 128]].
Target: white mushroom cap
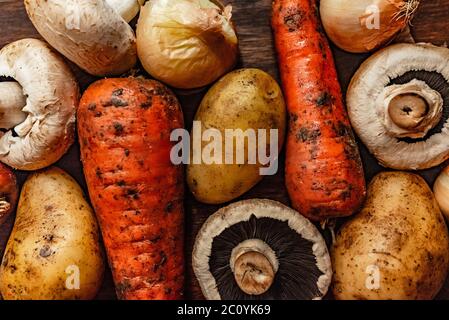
[[245, 211], [52, 96], [374, 106], [90, 33]]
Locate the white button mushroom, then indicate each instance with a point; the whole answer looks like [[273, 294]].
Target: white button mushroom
[[398, 103], [40, 107], [92, 34]]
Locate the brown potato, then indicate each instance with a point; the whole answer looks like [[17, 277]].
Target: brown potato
[[397, 247], [243, 99], [53, 252]]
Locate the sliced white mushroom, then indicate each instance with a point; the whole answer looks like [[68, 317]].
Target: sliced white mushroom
[[396, 101], [91, 33], [260, 249], [44, 126]]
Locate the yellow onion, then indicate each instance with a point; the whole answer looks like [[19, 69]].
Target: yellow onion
[[365, 25], [441, 190], [186, 43]]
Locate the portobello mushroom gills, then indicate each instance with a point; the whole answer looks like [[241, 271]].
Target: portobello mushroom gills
[[297, 275], [261, 250], [398, 103]]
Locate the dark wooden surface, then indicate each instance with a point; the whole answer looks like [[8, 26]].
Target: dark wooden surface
[[252, 19]]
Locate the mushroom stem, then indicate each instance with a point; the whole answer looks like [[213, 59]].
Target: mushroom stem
[[5, 206], [408, 110], [253, 273], [254, 265], [127, 9], [12, 101]]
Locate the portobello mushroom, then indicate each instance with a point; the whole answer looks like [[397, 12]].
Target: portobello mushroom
[[398, 103], [261, 249]]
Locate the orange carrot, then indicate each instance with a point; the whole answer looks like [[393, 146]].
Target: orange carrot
[[124, 128], [324, 174]]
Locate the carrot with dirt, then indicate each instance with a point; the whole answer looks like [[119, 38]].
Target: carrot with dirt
[[124, 128], [324, 173]]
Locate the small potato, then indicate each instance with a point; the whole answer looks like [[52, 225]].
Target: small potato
[[53, 252], [243, 99], [397, 247]]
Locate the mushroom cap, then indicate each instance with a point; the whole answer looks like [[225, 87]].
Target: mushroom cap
[[377, 75], [52, 98], [295, 241], [90, 33]]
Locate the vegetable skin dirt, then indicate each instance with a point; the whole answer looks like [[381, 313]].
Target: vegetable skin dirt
[[124, 127], [324, 173]]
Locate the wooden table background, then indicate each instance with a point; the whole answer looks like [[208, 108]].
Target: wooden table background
[[252, 19]]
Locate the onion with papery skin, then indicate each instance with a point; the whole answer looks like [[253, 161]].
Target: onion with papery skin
[[186, 43], [441, 190], [365, 25]]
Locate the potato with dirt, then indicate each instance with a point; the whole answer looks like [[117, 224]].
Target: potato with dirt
[[54, 251], [397, 247]]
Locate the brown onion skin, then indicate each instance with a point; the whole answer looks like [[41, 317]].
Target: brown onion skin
[[351, 35]]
